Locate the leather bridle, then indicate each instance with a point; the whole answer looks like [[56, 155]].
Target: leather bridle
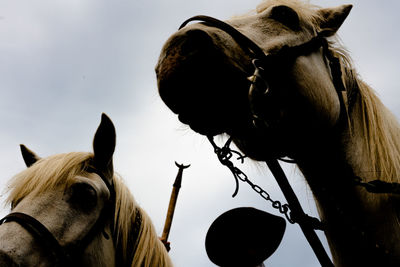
[[259, 82], [261, 62], [66, 255], [260, 87]]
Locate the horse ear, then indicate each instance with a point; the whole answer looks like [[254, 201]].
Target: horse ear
[[330, 19], [29, 156], [104, 146]]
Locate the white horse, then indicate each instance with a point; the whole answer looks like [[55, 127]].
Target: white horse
[[71, 210], [203, 77]]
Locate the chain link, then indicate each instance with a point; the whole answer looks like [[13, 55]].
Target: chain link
[[224, 155]]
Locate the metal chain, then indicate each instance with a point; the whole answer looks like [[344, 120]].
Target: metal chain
[[224, 155]]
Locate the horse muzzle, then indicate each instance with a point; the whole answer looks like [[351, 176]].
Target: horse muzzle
[[19, 248], [197, 82]]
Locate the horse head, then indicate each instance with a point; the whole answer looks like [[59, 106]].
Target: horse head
[[203, 75], [305, 100], [70, 209]]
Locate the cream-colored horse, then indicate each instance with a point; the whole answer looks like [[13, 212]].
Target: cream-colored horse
[[91, 217], [202, 76]]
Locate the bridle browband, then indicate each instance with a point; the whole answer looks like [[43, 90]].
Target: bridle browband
[[67, 255]]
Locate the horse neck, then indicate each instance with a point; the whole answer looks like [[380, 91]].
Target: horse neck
[[350, 213], [326, 169], [368, 146], [137, 243], [149, 250]]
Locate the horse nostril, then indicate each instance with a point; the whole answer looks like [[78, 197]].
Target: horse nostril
[[196, 40]]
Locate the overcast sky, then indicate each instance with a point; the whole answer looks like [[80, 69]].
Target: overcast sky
[[64, 62]]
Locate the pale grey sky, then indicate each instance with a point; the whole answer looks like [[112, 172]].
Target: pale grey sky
[[63, 62]]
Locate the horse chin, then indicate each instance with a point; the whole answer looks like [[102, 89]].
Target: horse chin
[[209, 128], [213, 103], [210, 103]]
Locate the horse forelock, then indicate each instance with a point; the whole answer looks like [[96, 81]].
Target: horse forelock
[[57, 172], [47, 174]]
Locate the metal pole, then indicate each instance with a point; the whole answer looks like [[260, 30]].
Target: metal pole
[[299, 215], [172, 202]]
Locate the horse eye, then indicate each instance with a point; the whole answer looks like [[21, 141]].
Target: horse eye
[[82, 196], [286, 16]]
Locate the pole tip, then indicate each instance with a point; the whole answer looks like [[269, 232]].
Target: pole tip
[[181, 166]]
